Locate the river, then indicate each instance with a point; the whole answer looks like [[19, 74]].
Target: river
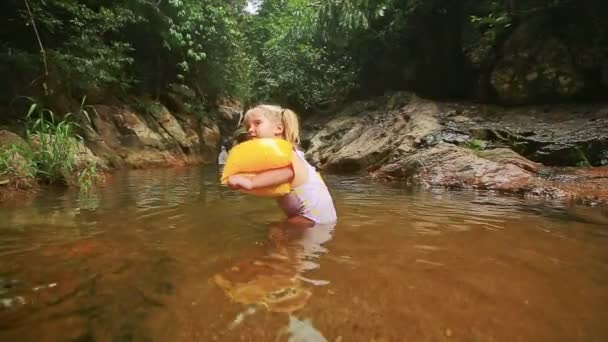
[[170, 255]]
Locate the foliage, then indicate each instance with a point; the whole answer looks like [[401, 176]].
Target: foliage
[[476, 144], [188, 98], [207, 38], [116, 46], [583, 163], [53, 144], [293, 66], [76, 36], [302, 53], [494, 22], [51, 155], [87, 177], [583, 160], [148, 107], [15, 160]]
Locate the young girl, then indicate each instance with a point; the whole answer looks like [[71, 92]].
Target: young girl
[[309, 201]]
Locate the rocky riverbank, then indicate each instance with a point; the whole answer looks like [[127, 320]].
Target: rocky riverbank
[[553, 151], [557, 151], [119, 136]]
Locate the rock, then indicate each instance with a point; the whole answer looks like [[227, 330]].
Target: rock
[[508, 156], [84, 157], [193, 154], [444, 135], [189, 124], [230, 110], [355, 141], [303, 331], [105, 128], [425, 142], [101, 136], [163, 139], [229, 114], [9, 139], [458, 167], [557, 135], [170, 124], [17, 173], [135, 132], [266, 282], [586, 185], [210, 137]]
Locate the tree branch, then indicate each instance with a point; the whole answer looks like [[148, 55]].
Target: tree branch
[[46, 69]]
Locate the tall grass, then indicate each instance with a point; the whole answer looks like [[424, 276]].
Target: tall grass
[[51, 157], [53, 144], [16, 160]]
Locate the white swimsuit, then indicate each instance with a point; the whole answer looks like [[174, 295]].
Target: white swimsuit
[[311, 199]]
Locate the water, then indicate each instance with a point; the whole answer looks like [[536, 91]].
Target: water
[[168, 255]]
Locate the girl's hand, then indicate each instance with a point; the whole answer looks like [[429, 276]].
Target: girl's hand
[[240, 182]]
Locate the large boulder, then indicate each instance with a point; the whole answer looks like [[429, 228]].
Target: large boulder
[[134, 130], [557, 135], [170, 125], [457, 167], [229, 114], [357, 138], [210, 137], [156, 139]]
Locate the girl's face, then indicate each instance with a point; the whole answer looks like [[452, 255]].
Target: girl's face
[[259, 126]]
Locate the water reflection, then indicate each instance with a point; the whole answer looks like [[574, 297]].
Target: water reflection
[[275, 280]]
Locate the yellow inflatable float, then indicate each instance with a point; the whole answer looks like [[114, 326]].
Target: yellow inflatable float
[[258, 155]]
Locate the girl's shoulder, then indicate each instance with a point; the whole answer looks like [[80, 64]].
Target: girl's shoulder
[[302, 158], [299, 153]]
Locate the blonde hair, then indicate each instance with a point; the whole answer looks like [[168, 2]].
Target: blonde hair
[[289, 119]]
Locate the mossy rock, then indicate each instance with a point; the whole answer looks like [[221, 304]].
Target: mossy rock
[[9, 139]]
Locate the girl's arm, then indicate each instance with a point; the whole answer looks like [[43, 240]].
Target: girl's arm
[[262, 179]]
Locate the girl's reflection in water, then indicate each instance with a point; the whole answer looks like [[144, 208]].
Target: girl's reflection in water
[[275, 280]]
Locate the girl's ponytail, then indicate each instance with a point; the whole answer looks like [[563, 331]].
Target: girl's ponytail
[[291, 126]]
